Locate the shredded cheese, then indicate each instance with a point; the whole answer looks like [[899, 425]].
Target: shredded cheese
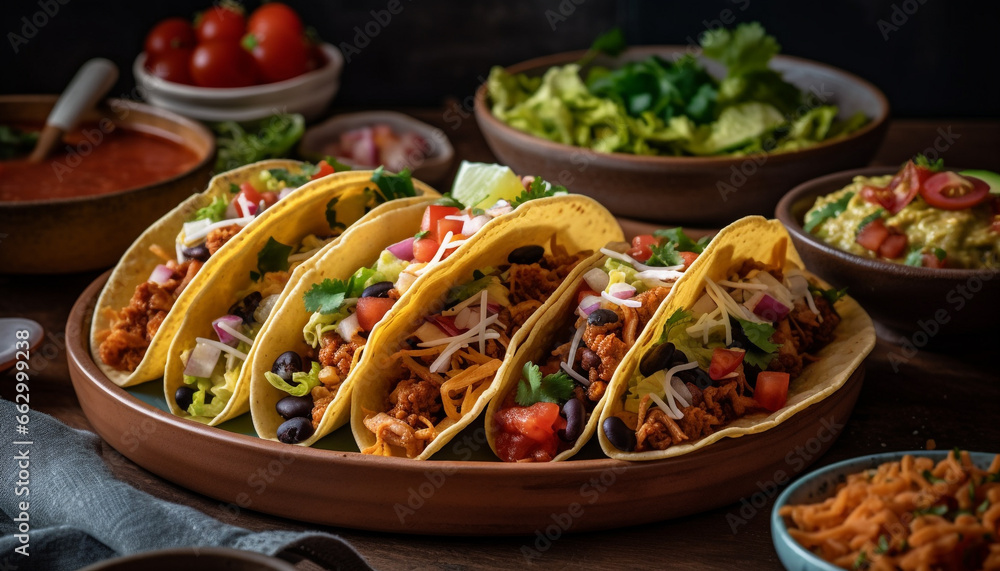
[[577, 336], [626, 302], [462, 336], [222, 325], [195, 237], [482, 317], [437, 255], [660, 274], [231, 350], [569, 371], [743, 285], [636, 264]]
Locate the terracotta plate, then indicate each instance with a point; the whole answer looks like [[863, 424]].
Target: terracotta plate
[[468, 493]]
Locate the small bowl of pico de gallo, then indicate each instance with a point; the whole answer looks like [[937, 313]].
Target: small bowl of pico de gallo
[[917, 245]]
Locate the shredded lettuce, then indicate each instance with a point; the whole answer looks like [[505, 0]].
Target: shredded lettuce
[[302, 382], [621, 272], [388, 267]]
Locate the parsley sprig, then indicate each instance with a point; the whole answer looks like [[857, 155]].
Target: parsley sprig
[[539, 189], [557, 387], [327, 296]]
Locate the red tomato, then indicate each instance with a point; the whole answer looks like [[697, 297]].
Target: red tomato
[[644, 240], [724, 361], [689, 258], [424, 249], [274, 16], [371, 310], [222, 64], [894, 246], [269, 198], [173, 65], [771, 390], [584, 292], [640, 250], [901, 189], [168, 35], [449, 250], [220, 23], [951, 191], [432, 214], [248, 192], [324, 169], [872, 235], [445, 225], [932, 261], [279, 55], [535, 421]]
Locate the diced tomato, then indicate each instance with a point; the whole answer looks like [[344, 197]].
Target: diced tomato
[[324, 169], [952, 191], [449, 250], [371, 310], [932, 261], [251, 195], [689, 258], [584, 292], [872, 235], [445, 225], [269, 198], [894, 246], [432, 215], [901, 189], [724, 361], [424, 249], [771, 390], [529, 432], [641, 254], [644, 240], [446, 323]]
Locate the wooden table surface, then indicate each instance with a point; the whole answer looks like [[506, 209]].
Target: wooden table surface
[[945, 394]]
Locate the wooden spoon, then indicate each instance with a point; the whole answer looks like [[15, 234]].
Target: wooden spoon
[[86, 88]]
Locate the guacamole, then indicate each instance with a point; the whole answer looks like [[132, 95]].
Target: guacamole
[[964, 238]]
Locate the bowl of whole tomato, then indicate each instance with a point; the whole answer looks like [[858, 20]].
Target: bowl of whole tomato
[[230, 66]]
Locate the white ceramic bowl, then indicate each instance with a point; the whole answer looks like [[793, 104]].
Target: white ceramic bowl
[[307, 94], [431, 169]]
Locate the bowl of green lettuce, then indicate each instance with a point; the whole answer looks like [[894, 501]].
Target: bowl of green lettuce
[[677, 134]]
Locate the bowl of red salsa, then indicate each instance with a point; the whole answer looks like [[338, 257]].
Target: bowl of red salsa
[[118, 171]]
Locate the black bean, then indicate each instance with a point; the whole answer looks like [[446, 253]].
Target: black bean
[[678, 358], [287, 363], [245, 307], [292, 407], [184, 397], [656, 359], [602, 317], [295, 430], [199, 253], [572, 410], [589, 360], [620, 435], [696, 376], [526, 254], [380, 289]]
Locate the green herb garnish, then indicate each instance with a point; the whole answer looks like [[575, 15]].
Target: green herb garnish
[[539, 189], [331, 215], [448, 200], [664, 255], [922, 161], [421, 235], [827, 211], [326, 297], [557, 387], [273, 257], [214, 211], [681, 241], [392, 186], [870, 218]]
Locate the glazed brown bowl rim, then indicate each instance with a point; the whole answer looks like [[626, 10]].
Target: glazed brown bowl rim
[[140, 106], [809, 189], [484, 114]]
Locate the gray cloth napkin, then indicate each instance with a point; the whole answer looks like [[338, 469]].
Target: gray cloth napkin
[[79, 513]]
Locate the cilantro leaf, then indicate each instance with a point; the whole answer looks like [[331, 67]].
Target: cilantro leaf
[[940, 254], [214, 211], [744, 49], [940, 510], [422, 234], [14, 141], [870, 218], [610, 43], [759, 334], [331, 215], [883, 545], [831, 295], [337, 165], [677, 317], [861, 561], [392, 186], [273, 257], [827, 211], [556, 388], [234, 188], [325, 297], [292, 180], [448, 200], [681, 241], [915, 258], [664, 255], [539, 189], [933, 166]]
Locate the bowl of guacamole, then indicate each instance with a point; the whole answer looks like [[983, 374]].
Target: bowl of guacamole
[[921, 254]]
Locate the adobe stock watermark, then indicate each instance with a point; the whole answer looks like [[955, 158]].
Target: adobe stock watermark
[[33, 23], [898, 17], [590, 492], [259, 480], [796, 460], [364, 34]]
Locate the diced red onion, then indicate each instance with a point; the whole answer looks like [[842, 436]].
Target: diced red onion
[[446, 324], [590, 304], [474, 225], [348, 327], [493, 307], [621, 290], [161, 274], [233, 321], [402, 250], [597, 279], [201, 362], [770, 308]]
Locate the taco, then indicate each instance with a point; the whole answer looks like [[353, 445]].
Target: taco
[[205, 378], [551, 396], [145, 298], [747, 339], [430, 370], [304, 368]]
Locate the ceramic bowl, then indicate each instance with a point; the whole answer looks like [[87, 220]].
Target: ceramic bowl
[[70, 235], [307, 94], [431, 169], [193, 559], [821, 484], [705, 191], [922, 304]]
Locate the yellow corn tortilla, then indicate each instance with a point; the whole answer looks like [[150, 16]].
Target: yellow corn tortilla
[[765, 241], [576, 222], [218, 293], [138, 262]]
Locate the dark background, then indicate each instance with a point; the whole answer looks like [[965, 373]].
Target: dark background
[[932, 58]]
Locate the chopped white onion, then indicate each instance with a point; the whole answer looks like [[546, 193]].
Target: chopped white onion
[[621, 290], [265, 307], [705, 304], [202, 360], [616, 301], [196, 237], [589, 304], [475, 224], [348, 327], [222, 346], [161, 274], [597, 279]]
